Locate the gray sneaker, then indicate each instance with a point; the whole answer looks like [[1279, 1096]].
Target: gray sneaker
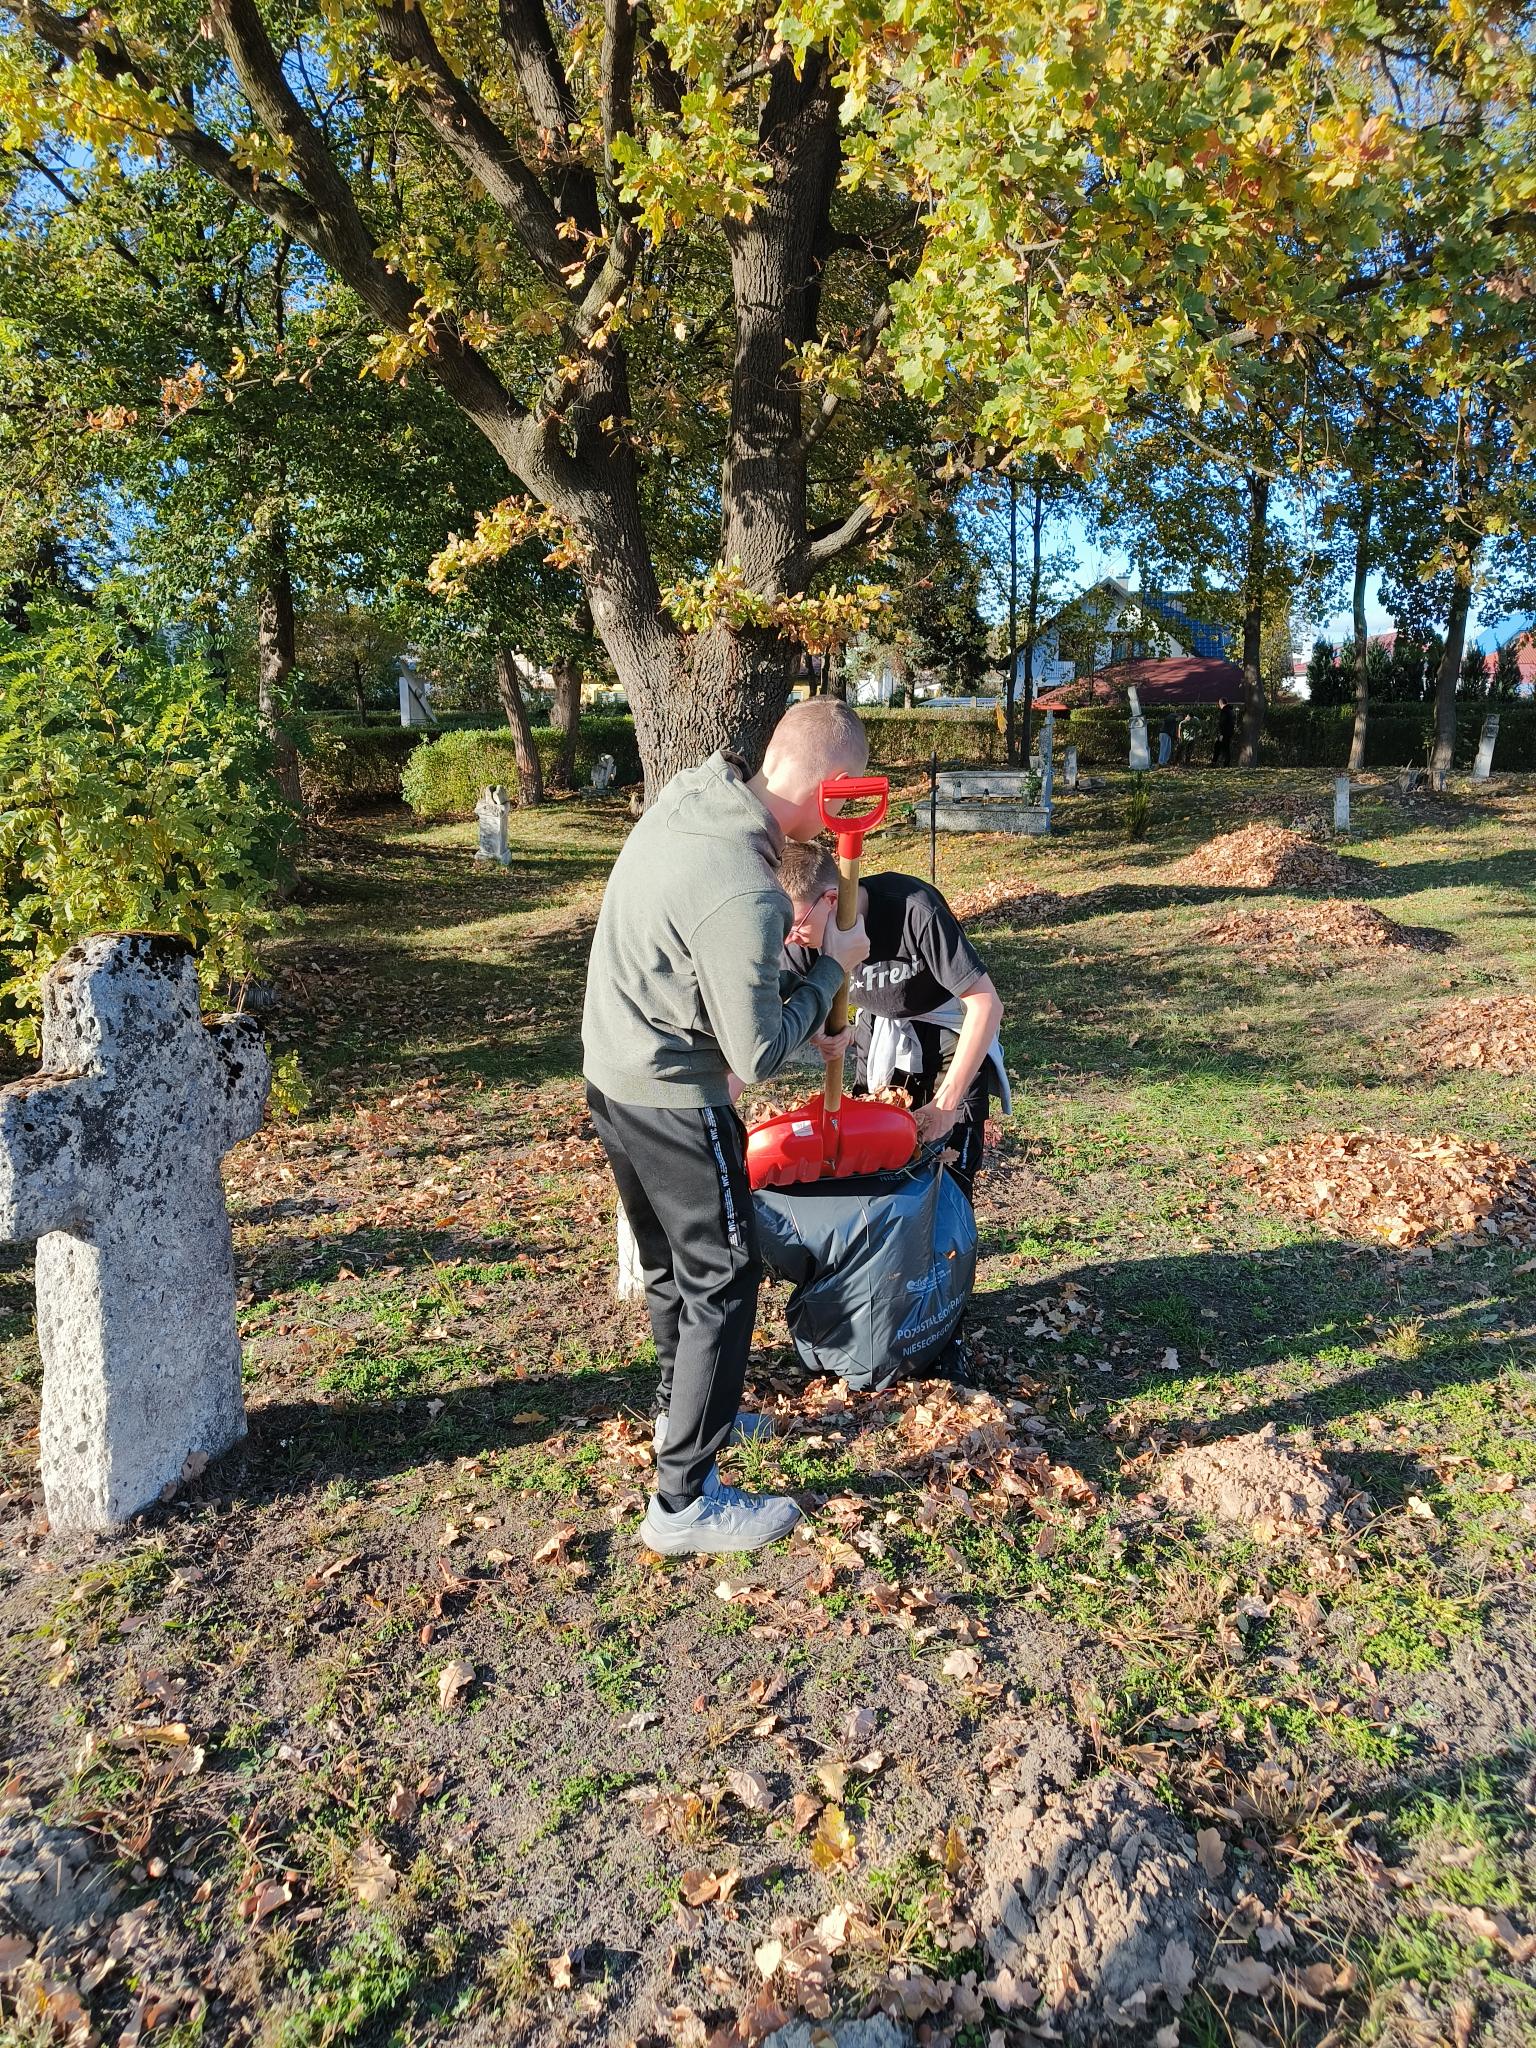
[[721, 1521], [746, 1429]]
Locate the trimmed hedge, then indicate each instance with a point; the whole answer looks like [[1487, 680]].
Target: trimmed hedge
[[905, 739], [350, 767], [1318, 735], [444, 777]]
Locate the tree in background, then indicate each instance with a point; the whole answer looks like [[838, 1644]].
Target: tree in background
[[611, 233], [1505, 681], [1327, 680]]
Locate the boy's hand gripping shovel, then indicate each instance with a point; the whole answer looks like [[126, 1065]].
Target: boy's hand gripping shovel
[[832, 1139]]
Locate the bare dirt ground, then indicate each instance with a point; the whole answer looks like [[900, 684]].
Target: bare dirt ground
[[1177, 1683]]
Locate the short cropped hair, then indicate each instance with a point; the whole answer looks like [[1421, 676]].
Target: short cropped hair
[[821, 734], [807, 870]]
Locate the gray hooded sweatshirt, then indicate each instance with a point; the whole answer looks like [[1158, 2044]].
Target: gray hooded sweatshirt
[[684, 982]]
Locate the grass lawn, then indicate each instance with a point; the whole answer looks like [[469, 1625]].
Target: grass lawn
[[385, 1729]]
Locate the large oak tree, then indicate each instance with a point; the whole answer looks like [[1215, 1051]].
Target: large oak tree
[[620, 236]]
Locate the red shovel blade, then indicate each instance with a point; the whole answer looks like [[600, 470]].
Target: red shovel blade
[[795, 1145]]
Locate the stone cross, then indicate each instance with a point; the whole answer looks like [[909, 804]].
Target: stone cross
[[491, 814], [109, 1158], [1341, 803], [604, 768], [1482, 767]]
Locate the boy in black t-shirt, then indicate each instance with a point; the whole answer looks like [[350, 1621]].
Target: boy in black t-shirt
[[927, 1010]]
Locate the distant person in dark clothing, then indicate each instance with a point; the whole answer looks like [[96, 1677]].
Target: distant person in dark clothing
[[1226, 733], [1187, 740]]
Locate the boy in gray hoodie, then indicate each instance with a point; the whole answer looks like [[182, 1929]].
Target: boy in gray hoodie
[[685, 997]]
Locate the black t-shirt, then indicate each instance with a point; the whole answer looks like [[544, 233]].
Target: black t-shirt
[[918, 955]]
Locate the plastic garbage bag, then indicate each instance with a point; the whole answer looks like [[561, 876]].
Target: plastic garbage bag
[[882, 1268]]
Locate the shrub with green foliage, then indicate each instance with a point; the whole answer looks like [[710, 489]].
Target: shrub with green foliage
[[1318, 735], [906, 739], [444, 776], [349, 767], [137, 798]]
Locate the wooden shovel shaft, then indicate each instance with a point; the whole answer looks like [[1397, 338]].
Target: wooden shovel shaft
[[837, 1016]]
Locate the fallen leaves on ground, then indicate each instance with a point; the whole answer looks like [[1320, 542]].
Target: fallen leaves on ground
[[1399, 1190], [1007, 902], [832, 1845], [1268, 857], [1496, 1033], [1351, 926], [453, 1681]]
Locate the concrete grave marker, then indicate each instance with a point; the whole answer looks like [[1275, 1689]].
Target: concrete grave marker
[[491, 814], [1141, 753], [109, 1158], [1048, 766], [1482, 767], [1341, 803], [604, 768], [1069, 767]]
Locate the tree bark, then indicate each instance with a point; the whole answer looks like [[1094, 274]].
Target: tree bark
[[274, 658], [834, 673], [566, 717], [1362, 667], [509, 687], [1253, 621]]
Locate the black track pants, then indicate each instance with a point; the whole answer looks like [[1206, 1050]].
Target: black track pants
[[682, 1177]]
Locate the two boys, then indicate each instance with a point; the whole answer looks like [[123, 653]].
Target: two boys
[[687, 997]]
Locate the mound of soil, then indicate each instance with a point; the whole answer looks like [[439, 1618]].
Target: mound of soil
[[1094, 1902], [1007, 902], [1268, 857], [1256, 1480], [1493, 1032], [1399, 1190], [1330, 923]]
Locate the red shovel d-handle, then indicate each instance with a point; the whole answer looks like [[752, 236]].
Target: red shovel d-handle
[[848, 826]]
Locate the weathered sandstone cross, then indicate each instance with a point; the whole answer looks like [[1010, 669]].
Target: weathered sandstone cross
[[109, 1158]]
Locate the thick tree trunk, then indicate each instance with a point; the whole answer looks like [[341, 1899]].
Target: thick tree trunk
[[1450, 674], [1253, 621], [834, 675], [1362, 645], [274, 659], [509, 687], [567, 720]]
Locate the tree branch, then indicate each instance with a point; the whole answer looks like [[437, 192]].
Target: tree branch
[[459, 121], [73, 200], [616, 82], [832, 401], [828, 542]]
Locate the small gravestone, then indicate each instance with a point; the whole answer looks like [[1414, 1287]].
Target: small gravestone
[[1069, 767], [109, 1158], [1141, 754], [491, 817], [1341, 803], [1482, 767], [604, 768]]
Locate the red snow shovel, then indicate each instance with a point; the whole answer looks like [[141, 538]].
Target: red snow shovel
[[832, 1139]]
